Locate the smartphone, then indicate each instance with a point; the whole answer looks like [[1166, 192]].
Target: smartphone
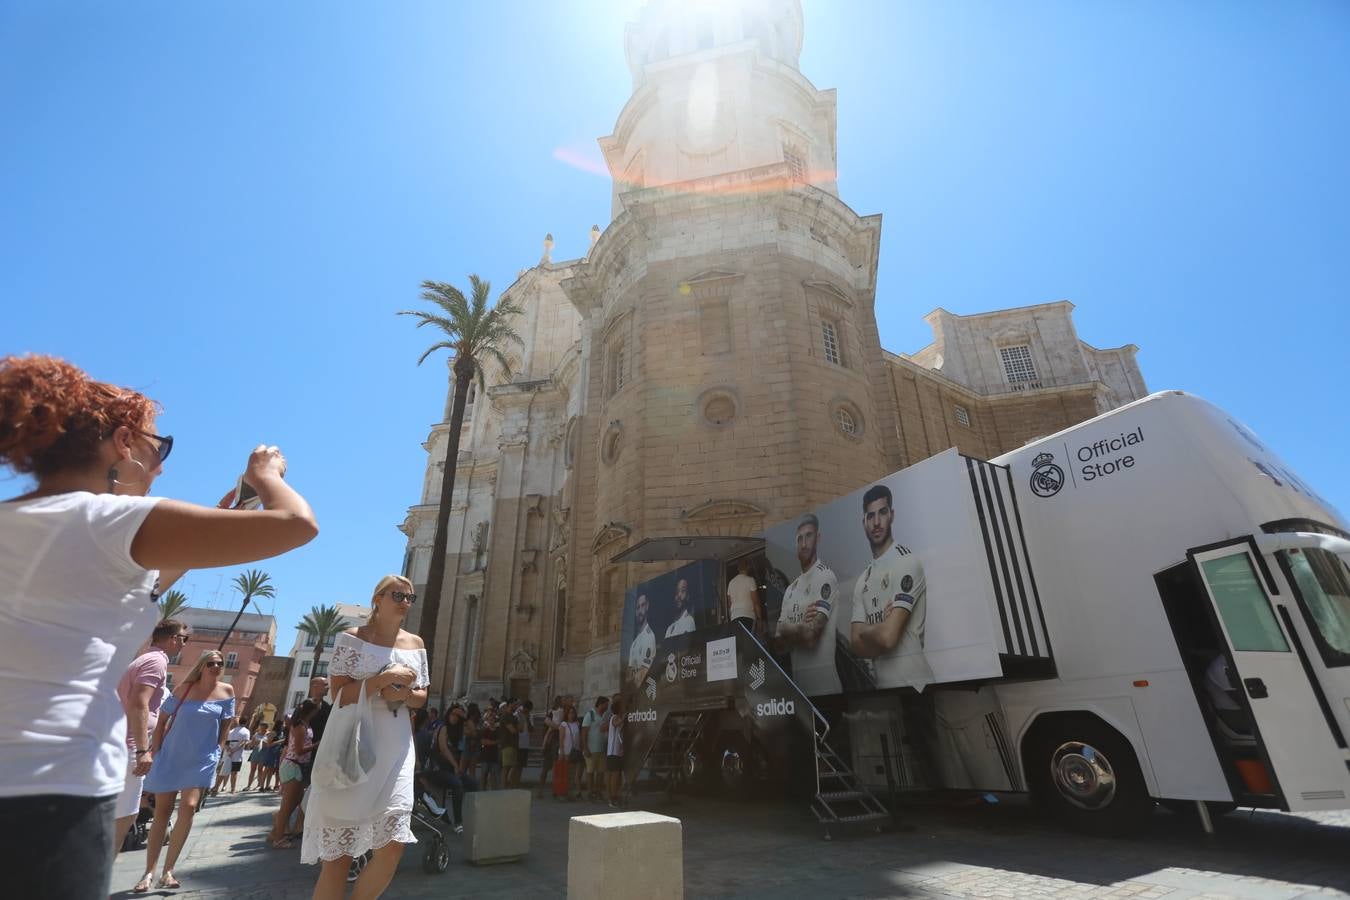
[[245, 497]]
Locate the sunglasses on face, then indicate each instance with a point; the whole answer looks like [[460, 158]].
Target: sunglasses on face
[[402, 597], [183, 637], [215, 665], [165, 443]]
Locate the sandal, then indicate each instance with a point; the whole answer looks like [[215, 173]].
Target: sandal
[[168, 881], [143, 886], [283, 844]]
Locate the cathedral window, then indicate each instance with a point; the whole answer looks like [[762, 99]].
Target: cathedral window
[[963, 416], [829, 334], [847, 418], [847, 424], [1017, 364], [617, 375], [796, 161], [714, 325]]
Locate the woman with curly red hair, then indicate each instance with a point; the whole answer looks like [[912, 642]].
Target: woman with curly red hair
[[80, 556]]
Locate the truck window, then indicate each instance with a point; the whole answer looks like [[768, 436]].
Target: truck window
[[1322, 584], [1243, 604]]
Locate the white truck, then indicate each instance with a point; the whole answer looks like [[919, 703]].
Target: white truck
[[1145, 607], [1195, 599]]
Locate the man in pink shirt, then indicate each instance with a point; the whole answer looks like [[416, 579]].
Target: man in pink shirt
[[141, 690]]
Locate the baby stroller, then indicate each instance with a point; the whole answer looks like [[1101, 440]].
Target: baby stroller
[[436, 856]]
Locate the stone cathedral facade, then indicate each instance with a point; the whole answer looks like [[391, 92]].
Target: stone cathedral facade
[[711, 366]]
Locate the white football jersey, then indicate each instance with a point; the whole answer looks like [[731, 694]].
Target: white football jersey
[[683, 625], [643, 649], [896, 577], [813, 667]]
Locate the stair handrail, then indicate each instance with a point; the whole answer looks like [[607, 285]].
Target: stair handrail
[[822, 723]]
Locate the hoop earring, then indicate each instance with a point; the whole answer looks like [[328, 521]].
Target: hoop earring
[[112, 476]]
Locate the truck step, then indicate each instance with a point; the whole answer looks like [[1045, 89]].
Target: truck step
[[860, 819], [837, 796]]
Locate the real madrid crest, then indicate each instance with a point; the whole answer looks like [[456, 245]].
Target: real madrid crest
[[1046, 477]]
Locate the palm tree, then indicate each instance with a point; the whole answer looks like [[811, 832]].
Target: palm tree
[[252, 584], [171, 604], [322, 622], [473, 332]]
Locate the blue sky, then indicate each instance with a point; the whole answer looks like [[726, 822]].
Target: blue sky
[[224, 204]]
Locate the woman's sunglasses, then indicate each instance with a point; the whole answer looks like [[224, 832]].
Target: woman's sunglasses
[[402, 597], [215, 665], [165, 443]]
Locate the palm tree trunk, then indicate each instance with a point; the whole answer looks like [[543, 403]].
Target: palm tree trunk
[[431, 594], [237, 616]]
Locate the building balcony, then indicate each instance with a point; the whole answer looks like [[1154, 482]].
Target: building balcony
[[1031, 385]]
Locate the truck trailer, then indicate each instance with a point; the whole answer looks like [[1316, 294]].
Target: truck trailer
[[1149, 606]]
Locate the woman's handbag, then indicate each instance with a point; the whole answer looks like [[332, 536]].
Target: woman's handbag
[[346, 755]]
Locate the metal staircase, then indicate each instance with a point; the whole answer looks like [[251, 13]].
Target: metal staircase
[[841, 799]]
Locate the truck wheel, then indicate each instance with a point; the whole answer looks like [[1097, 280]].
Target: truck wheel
[[1086, 775]]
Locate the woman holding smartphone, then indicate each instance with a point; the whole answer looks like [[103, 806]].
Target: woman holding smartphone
[[84, 550]]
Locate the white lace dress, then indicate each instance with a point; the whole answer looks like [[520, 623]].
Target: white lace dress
[[350, 821]]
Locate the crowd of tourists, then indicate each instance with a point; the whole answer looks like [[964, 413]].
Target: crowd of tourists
[[91, 737], [472, 747]]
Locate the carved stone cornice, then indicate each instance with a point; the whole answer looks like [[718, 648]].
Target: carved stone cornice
[[724, 508], [609, 533]]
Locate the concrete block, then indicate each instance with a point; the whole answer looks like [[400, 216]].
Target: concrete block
[[496, 826], [631, 855]]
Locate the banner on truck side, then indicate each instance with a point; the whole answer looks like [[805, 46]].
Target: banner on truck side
[[891, 586], [662, 609]]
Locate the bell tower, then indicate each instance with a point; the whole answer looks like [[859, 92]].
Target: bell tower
[[716, 89], [734, 372]]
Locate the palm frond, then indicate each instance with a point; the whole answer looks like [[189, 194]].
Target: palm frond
[[172, 603], [439, 345]]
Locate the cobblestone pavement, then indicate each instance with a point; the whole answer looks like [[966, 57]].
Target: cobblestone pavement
[[762, 849]]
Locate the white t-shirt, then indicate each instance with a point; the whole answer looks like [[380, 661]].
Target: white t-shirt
[[896, 578], [571, 737], [74, 609], [683, 625], [643, 648], [741, 593], [614, 744], [238, 736], [813, 667], [522, 729]]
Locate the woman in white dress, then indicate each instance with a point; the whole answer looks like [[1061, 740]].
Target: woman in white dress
[[377, 814]]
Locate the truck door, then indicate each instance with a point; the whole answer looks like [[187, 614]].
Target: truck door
[[1300, 746]]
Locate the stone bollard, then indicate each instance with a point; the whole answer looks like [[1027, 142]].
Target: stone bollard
[[496, 826], [629, 855]]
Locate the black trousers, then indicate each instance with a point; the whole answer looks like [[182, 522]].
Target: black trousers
[[56, 846]]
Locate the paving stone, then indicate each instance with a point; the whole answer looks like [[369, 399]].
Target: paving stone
[[774, 851]]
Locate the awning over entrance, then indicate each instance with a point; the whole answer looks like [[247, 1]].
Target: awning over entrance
[[661, 549]]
